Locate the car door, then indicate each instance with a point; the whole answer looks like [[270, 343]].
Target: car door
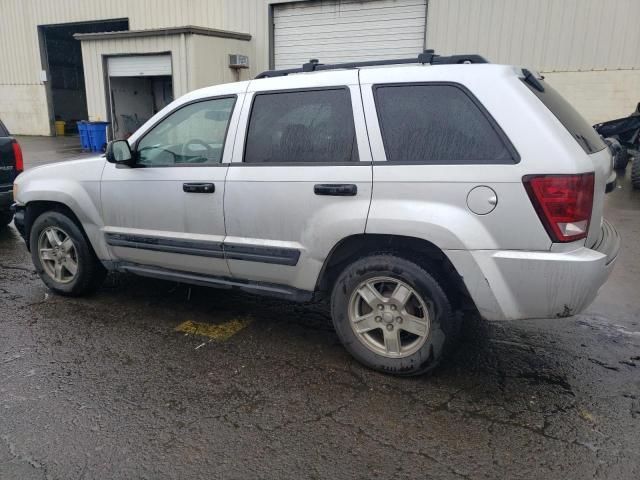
[[166, 210], [300, 179]]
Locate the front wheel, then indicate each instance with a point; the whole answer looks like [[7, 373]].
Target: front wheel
[[63, 257], [392, 315]]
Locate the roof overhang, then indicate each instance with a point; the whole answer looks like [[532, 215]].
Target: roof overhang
[[163, 32]]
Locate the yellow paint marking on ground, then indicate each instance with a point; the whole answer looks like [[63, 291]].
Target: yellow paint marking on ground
[[587, 416], [219, 332]]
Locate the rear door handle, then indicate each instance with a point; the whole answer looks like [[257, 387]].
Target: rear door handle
[[336, 189], [198, 187]]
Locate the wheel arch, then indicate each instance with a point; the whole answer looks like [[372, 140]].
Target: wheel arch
[[418, 250], [36, 208]]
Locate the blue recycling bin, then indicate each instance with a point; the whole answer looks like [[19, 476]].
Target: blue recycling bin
[[84, 135], [97, 135]]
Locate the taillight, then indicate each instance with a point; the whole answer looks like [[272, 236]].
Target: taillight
[[563, 203], [17, 154]]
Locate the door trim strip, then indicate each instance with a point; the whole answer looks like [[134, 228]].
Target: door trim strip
[[231, 251], [168, 245], [257, 253]]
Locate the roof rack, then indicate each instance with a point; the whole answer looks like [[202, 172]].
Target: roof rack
[[428, 56]]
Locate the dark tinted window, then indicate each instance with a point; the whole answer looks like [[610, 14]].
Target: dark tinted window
[[3, 130], [309, 126], [437, 124], [577, 126]]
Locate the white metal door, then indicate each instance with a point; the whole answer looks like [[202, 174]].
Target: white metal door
[[348, 31], [139, 65]]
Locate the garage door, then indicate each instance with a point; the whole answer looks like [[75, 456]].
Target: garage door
[[347, 30], [139, 66]]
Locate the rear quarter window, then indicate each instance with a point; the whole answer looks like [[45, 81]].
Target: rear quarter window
[[3, 130], [576, 125], [438, 123]]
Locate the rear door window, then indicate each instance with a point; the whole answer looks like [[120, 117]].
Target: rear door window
[[438, 124], [311, 126], [575, 124]]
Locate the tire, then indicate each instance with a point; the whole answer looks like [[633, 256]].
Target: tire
[[621, 160], [406, 353], [67, 246], [5, 219], [635, 172]]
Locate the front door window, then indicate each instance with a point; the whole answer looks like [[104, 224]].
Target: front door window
[[192, 135]]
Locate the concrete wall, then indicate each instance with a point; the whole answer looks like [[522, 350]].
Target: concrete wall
[[209, 61], [23, 109], [599, 95], [587, 49]]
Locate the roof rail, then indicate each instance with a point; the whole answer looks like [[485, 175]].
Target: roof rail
[[428, 56]]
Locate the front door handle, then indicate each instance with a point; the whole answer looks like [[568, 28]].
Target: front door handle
[[336, 189], [198, 187]]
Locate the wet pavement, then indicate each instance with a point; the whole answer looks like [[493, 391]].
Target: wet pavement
[[105, 387]]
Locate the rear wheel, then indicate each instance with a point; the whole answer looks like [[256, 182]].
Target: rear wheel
[[62, 256], [635, 172], [392, 315]]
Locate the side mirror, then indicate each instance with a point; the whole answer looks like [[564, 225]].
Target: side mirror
[[118, 151]]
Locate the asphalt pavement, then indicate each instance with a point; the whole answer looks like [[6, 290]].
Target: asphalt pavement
[[154, 380]]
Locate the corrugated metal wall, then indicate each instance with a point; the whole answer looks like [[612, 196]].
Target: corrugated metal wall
[[23, 101], [21, 61], [92, 58], [551, 35], [336, 31]]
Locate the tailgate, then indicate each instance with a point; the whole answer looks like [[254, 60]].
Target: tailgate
[[7, 161]]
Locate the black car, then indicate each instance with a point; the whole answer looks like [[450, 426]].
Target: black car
[[11, 165]]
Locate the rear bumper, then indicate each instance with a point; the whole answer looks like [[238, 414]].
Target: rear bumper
[[6, 199], [513, 285], [18, 220]]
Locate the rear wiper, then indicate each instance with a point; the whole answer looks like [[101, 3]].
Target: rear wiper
[[531, 79], [582, 139]]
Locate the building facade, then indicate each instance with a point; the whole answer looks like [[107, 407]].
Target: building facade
[[122, 60]]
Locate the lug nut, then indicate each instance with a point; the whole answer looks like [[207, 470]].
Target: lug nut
[[399, 319], [389, 327], [393, 307], [378, 319], [380, 307]]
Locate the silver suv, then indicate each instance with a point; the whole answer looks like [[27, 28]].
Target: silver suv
[[401, 193]]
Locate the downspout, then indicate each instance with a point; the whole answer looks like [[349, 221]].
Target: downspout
[[426, 22], [185, 64]]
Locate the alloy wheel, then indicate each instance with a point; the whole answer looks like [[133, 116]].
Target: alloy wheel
[[58, 255], [389, 317]]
